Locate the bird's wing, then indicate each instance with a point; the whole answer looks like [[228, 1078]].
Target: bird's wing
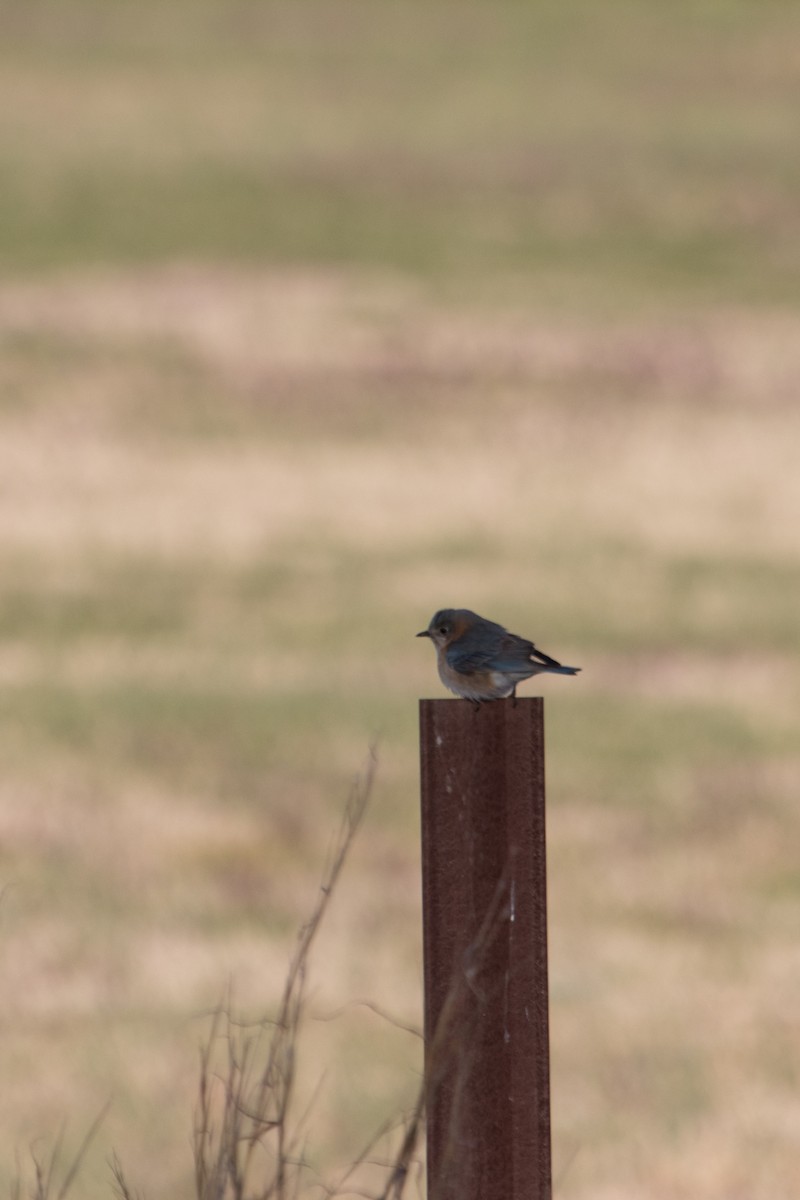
[[494, 649], [540, 656], [518, 654], [469, 662], [477, 649]]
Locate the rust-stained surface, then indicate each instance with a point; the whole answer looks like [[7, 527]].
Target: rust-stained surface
[[485, 942]]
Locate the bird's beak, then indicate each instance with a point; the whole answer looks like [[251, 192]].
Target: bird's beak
[[424, 633]]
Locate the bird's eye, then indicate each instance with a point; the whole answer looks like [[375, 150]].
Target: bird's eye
[[444, 629]]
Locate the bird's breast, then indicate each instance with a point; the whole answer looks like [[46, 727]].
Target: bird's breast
[[478, 685]]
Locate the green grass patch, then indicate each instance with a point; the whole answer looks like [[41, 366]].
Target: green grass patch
[[618, 145], [631, 751]]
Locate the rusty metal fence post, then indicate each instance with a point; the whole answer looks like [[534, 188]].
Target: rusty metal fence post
[[485, 946]]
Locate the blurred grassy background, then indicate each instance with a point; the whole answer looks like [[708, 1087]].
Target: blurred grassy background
[[317, 317]]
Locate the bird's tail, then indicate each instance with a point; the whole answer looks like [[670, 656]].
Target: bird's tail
[[562, 670]]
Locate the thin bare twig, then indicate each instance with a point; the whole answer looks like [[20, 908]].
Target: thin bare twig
[[45, 1171], [248, 1110]]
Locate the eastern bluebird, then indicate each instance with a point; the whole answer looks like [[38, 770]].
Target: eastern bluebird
[[481, 660]]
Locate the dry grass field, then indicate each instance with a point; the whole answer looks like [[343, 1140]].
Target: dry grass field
[[318, 317]]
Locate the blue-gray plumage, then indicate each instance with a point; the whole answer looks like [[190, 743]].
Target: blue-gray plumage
[[480, 660]]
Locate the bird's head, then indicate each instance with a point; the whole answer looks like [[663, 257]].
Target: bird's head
[[446, 625]]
